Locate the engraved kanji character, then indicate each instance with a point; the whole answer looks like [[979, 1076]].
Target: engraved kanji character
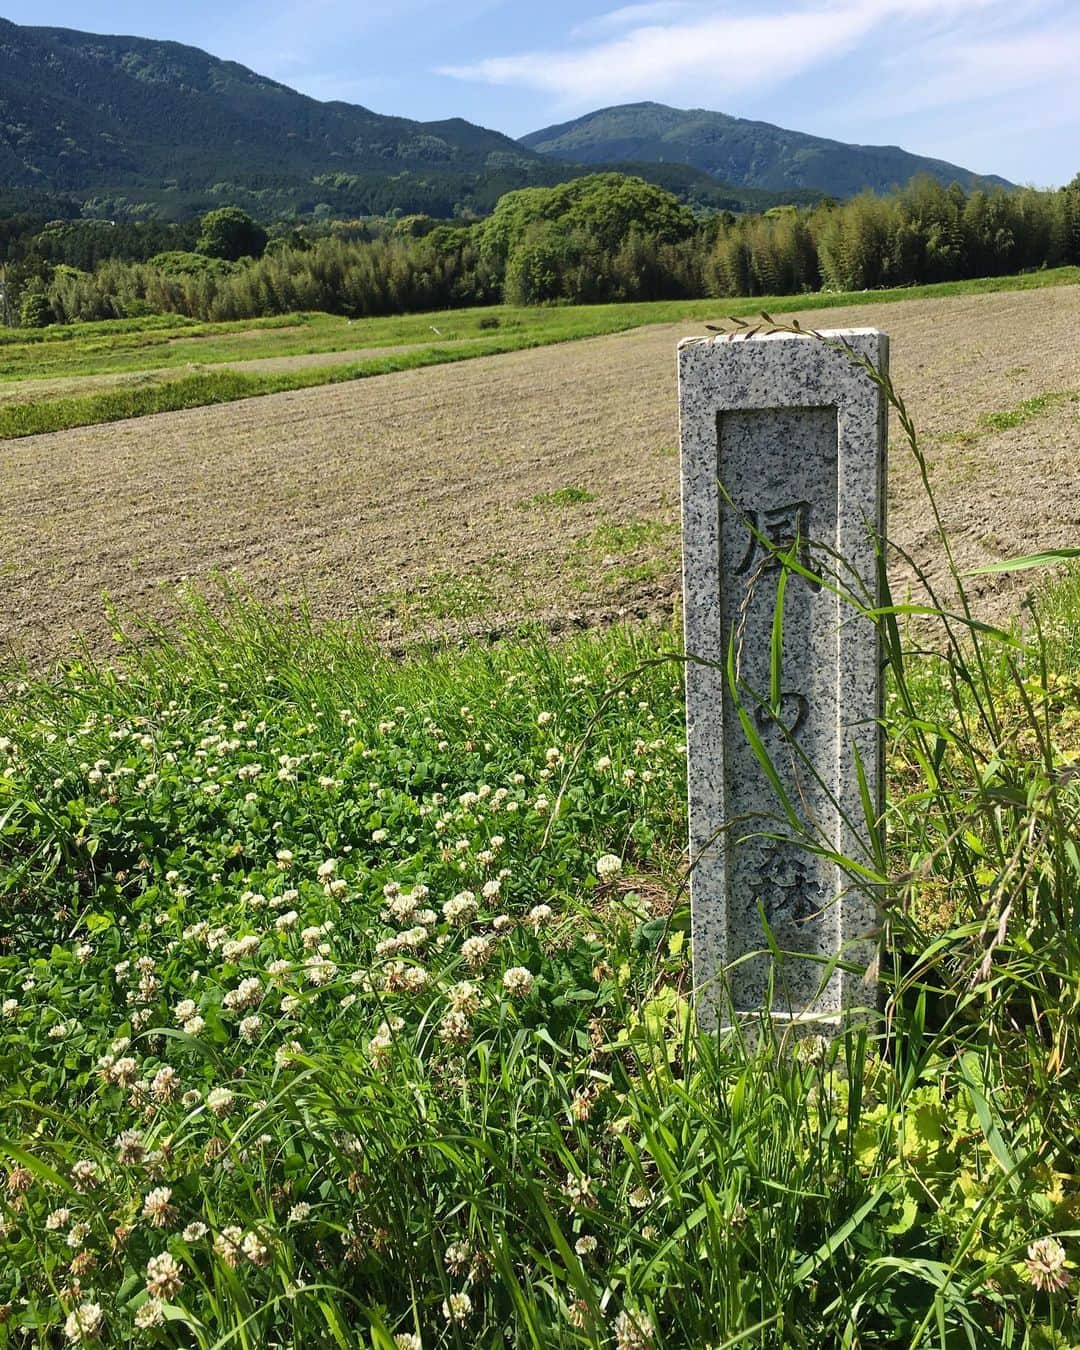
[[781, 527]]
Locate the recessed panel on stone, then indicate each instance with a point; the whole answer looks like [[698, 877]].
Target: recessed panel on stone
[[783, 450]]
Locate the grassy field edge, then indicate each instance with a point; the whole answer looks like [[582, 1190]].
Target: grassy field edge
[[204, 388]]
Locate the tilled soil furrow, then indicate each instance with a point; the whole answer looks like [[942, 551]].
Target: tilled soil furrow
[[368, 495]]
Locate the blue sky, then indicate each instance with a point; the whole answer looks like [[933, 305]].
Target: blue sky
[[993, 85]]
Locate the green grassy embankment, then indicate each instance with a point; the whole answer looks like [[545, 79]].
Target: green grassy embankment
[[163, 344]]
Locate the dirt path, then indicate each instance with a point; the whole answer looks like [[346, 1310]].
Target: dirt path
[[412, 499]]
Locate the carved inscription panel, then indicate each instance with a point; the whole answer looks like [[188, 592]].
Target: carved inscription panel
[[778, 473]]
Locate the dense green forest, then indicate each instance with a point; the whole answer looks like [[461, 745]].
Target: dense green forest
[[601, 238]]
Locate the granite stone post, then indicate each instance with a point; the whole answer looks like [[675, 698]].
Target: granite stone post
[[783, 451]]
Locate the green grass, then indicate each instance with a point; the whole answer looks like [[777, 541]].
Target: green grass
[[565, 496], [163, 343], [1007, 419], [572, 1156], [1028, 410], [442, 596]]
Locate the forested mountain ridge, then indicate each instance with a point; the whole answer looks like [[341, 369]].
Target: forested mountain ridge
[[740, 152], [83, 112], [137, 124]]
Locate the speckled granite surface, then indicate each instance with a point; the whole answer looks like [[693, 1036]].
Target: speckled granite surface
[[795, 431]]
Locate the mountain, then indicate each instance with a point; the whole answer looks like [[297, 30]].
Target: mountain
[[80, 112], [739, 152], [134, 126], [140, 126]]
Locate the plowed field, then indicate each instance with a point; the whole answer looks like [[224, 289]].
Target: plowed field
[[541, 484]]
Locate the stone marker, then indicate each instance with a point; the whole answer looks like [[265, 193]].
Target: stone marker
[[795, 431]]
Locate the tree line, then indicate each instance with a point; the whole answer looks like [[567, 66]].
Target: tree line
[[602, 238]]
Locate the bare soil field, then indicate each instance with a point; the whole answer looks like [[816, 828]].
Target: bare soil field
[[538, 485]]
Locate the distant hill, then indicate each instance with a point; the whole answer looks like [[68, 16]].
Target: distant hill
[[82, 113], [126, 121], [740, 153]]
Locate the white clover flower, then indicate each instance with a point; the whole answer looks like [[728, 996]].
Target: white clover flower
[[227, 1244], [455, 1028], [403, 906], [123, 1071], [608, 865], [539, 915], [407, 1340], [250, 1027], [220, 1101], [163, 1276], [195, 1232], [284, 858], [255, 1249], [150, 1314], [84, 1175], [130, 1149], [544, 719], [57, 1219], [457, 1307], [1045, 1262], [185, 1010], [379, 836], [585, 1246], [518, 982], [577, 1189], [248, 992], [476, 952], [464, 997], [156, 1207], [78, 1234], [300, 1213], [84, 1322], [165, 1084], [319, 970], [461, 909], [634, 1331], [238, 948], [287, 1054], [194, 1026], [456, 1258]]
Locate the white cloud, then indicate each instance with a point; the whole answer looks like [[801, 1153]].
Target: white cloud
[[962, 73], [704, 51], [630, 16]]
